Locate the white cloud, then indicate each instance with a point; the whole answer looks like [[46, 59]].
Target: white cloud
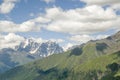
[[101, 37], [30, 25], [41, 20], [115, 4], [48, 1], [7, 6], [86, 20], [67, 46], [10, 40], [101, 2], [40, 40], [85, 38], [81, 38], [57, 40]]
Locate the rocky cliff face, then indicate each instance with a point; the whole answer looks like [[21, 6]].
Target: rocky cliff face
[[40, 49]]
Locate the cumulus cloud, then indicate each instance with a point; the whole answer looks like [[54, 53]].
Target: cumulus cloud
[[101, 2], [40, 40], [8, 26], [85, 38], [56, 40], [86, 20], [81, 38], [7, 6], [48, 1], [115, 4], [101, 37], [90, 19], [10, 40], [67, 46], [30, 25]]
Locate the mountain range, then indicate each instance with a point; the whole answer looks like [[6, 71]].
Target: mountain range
[[27, 51], [95, 60]]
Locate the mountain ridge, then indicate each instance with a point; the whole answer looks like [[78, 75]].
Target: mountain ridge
[[95, 60], [23, 54]]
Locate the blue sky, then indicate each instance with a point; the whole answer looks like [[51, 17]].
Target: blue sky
[[24, 8], [73, 21]]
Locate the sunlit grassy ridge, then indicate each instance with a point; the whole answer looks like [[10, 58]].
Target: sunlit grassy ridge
[[64, 67]]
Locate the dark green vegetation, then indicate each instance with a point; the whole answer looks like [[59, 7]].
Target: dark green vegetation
[[95, 60]]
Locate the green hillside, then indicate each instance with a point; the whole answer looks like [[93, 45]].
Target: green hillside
[[95, 60], [65, 67]]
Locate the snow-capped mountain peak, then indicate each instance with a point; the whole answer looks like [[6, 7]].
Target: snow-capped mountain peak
[[40, 49]]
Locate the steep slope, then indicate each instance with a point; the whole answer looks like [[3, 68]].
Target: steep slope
[[95, 60], [26, 52], [55, 67]]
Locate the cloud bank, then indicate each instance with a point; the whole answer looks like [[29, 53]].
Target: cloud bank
[[85, 38], [11, 40], [48, 1], [87, 20], [7, 6], [80, 23]]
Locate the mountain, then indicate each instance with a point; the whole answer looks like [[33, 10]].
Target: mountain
[[95, 60], [39, 49], [27, 51]]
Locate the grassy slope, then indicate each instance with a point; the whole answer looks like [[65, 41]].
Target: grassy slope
[[85, 63], [65, 66]]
